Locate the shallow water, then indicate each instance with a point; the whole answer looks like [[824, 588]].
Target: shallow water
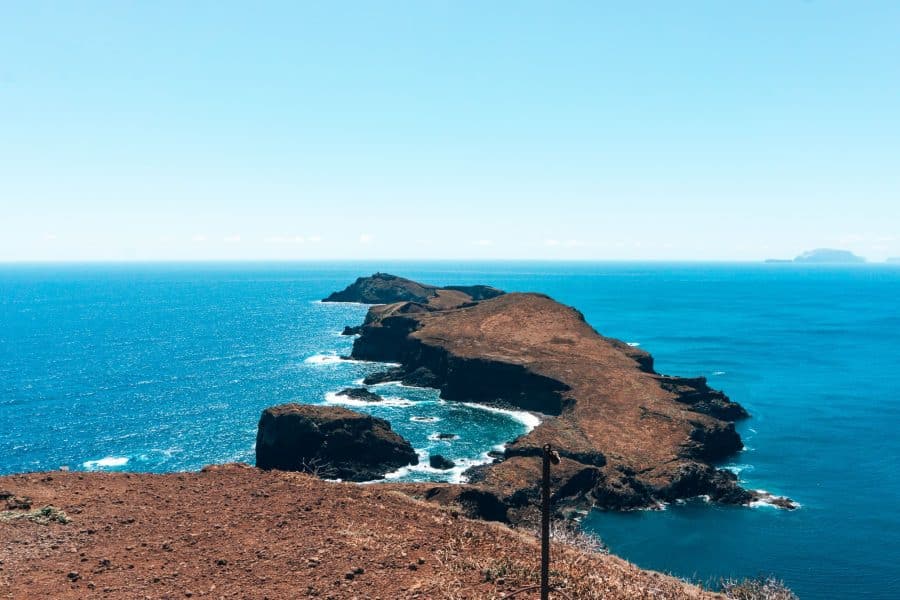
[[167, 367]]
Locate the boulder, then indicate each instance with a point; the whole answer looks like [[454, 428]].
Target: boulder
[[437, 461], [392, 374], [360, 394]]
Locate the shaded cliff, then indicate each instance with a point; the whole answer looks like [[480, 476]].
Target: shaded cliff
[[629, 437]]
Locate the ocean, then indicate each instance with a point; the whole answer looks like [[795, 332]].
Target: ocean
[[166, 367]]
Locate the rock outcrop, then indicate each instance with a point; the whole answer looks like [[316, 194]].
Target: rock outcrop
[[382, 288], [439, 461], [628, 436], [333, 442], [361, 394]]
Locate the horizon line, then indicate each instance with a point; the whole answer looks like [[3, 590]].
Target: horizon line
[[175, 261]]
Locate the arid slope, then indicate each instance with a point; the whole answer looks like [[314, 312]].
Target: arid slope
[[238, 532]]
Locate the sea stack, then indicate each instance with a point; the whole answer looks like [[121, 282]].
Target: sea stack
[[330, 441]]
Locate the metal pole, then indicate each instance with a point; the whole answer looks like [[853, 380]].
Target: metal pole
[[545, 524]]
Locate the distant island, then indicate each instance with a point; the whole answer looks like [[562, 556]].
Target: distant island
[[893, 259], [822, 256]]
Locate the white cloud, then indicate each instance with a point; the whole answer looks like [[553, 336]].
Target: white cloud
[[553, 243], [199, 238], [49, 237], [483, 242], [314, 239], [365, 238], [232, 239], [285, 239]]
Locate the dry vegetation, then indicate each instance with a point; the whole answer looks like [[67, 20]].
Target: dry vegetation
[[761, 588], [237, 532], [503, 563]]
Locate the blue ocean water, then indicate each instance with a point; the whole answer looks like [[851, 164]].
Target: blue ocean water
[[167, 367]]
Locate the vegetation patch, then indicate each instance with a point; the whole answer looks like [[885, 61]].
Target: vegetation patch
[[757, 588], [41, 516]]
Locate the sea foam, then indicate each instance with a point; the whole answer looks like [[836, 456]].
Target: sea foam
[[394, 401], [418, 419], [768, 500], [529, 420], [454, 475], [106, 462], [328, 359]]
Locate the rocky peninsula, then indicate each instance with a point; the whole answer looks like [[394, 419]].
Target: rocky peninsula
[[629, 437]]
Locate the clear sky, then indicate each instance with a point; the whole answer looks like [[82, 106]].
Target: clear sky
[[587, 130]]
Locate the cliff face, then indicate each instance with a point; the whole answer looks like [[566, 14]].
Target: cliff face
[[630, 437], [335, 442]]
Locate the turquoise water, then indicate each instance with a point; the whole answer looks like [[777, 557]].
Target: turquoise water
[[167, 367]]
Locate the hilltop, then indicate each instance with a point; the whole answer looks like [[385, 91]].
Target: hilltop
[[234, 531]]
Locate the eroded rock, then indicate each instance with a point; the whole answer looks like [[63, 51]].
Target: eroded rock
[[330, 441]]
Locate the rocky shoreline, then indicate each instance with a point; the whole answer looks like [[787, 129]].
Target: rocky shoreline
[[630, 438]]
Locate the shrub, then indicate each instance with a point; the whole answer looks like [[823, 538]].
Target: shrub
[[757, 588]]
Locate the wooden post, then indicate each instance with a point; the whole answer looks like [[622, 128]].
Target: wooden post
[[549, 456]]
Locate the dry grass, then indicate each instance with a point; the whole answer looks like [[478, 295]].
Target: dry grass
[[565, 532], [760, 588], [237, 532], [505, 564]]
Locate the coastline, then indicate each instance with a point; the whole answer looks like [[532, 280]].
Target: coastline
[[439, 337]]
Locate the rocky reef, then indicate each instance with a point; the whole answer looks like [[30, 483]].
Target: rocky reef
[[333, 442], [361, 394], [629, 437]]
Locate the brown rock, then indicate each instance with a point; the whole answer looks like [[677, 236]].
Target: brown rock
[[331, 441]]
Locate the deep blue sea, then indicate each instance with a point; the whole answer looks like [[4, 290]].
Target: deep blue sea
[[167, 367]]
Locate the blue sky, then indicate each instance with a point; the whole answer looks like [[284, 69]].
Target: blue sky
[[554, 130]]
